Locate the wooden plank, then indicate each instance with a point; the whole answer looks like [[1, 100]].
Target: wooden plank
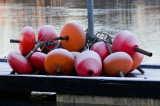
[[108, 100]]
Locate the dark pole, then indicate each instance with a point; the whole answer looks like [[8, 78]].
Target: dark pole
[[90, 20]]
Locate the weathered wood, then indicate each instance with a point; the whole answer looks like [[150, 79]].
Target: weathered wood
[[124, 101]]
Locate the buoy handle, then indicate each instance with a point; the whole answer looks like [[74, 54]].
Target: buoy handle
[[140, 69], [61, 38], [109, 47], [14, 41], [136, 49], [121, 74], [34, 49], [13, 72]]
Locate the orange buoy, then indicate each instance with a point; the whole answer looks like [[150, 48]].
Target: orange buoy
[[76, 36], [19, 63], [59, 61], [88, 63], [101, 49], [27, 40], [75, 54], [49, 32], [137, 59], [116, 62], [37, 61]]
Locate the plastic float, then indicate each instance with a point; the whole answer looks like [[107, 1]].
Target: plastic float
[[101, 48], [27, 40], [88, 63], [37, 61], [59, 62], [76, 35], [47, 32], [19, 63], [127, 42], [116, 63]]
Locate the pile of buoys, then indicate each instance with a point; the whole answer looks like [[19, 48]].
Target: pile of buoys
[[64, 55]]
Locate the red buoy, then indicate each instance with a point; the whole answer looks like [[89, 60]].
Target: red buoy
[[19, 63], [27, 40], [101, 49], [59, 62], [37, 61], [88, 63], [49, 32], [116, 62]]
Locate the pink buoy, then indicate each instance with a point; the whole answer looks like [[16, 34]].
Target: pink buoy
[[88, 63], [101, 49], [19, 63], [117, 62], [37, 61], [127, 42]]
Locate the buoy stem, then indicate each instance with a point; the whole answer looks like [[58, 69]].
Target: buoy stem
[[13, 72], [14, 41], [34, 49], [136, 49], [121, 74], [17, 41], [109, 47], [58, 45], [61, 38], [59, 71], [140, 69]]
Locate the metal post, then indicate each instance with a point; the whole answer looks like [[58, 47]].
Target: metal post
[[90, 20]]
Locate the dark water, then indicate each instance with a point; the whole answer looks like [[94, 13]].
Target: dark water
[[141, 17]]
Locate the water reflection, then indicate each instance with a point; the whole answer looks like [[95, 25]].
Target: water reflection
[[111, 16]]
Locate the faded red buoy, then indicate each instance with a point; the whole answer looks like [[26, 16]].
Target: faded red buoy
[[127, 42], [59, 62], [101, 49], [116, 62], [19, 63], [50, 33], [88, 63], [137, 59], [37, 61], [76, 36], [27, 40]]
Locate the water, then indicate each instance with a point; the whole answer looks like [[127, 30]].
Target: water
[[141, 17]]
